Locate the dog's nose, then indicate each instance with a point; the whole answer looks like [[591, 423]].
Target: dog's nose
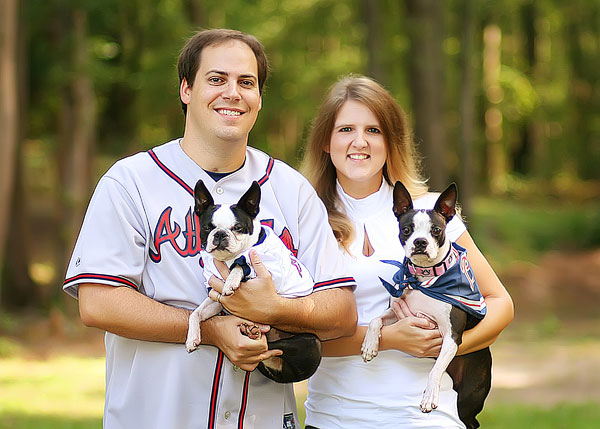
[[420, 244], [219, 236]]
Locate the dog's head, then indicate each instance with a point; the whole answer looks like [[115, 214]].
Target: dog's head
[[423, 232], [226, 231]]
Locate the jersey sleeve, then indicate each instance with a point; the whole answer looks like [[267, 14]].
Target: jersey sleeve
[[318, 248], [112, 246]]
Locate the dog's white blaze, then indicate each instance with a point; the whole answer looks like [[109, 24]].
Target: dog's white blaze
[[223, 218]]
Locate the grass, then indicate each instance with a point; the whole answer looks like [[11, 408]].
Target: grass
[[67, 392]]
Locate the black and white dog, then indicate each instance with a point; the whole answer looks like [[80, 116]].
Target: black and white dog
[[226, 233], [437, 283]]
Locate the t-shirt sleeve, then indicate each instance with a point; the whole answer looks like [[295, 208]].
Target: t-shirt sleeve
[[111, 247]]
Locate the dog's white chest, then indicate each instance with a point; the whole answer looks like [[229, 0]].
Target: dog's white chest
[[434, 309]]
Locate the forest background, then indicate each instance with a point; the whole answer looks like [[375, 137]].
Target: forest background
[[504, 98]]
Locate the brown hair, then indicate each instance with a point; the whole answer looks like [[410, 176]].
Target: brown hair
[[189, 58], [402, 161]]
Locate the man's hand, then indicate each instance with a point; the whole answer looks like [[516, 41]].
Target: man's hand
[[256, 299], [225, 332]]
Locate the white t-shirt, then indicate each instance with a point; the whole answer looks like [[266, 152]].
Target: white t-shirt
[[140, 231], [386, 392]]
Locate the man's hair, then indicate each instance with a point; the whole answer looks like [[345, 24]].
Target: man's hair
[[189, 58]]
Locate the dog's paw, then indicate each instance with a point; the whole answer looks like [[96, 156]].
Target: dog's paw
[[251, 331], [229, 288], [192, 344], [430, 399], [369, 350]]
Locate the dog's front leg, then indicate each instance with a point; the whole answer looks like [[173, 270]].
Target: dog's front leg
[[370, 345], [205, 311], [233, 280], [432, 391]]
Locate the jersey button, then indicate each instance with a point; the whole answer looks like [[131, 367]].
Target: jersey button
[[227, 415], [219, 191], [236, 368]]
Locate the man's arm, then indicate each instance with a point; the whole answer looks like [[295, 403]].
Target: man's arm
[[329, 313], [130, 314]]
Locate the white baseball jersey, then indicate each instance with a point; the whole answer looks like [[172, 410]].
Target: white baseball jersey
[[290, 277], [346, 392], [140, 231]]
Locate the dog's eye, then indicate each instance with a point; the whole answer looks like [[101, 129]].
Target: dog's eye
[[207, 228], [238, 229], [406, 230], [436, 230]]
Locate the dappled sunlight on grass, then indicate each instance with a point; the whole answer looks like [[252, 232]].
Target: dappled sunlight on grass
[[66, 390]]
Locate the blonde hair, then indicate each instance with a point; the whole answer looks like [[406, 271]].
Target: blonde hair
[[402, 161]]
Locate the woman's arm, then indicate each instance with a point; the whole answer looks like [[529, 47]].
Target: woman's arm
[[500, 308], [413, 335]]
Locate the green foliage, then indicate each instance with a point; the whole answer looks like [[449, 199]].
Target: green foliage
[[521, 229]]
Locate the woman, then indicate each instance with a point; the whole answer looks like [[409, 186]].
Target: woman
[[359, 146]]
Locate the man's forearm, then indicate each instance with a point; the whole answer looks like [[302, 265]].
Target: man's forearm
[[130, 314], [329, 314]]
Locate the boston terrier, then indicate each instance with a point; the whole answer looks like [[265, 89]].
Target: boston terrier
[[436, 282], [227, 233]]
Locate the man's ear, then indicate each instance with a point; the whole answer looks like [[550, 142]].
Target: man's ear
[[185, 92]]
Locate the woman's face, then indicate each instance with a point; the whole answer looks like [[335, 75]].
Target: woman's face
[[357, 149]]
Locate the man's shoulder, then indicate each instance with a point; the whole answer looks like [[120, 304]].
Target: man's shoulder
[[138, 164]]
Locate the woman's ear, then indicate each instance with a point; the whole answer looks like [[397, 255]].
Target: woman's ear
[[326, 148]]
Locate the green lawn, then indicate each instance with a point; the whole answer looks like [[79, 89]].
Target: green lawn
[[67, 392]]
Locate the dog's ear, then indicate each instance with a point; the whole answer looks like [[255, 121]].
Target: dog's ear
[[250, 201], [402, 200], [202, 197], [446, 203]]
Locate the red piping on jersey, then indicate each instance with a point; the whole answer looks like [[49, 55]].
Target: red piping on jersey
[[268, 172], [212, 412], [172, 175], [349, 280], [244, 400], [89, 276]]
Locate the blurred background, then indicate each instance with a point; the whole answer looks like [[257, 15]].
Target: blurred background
[[504, 99]]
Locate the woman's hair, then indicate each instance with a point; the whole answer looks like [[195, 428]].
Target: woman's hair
[[402, 161]]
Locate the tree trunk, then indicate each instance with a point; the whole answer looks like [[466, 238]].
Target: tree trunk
[[467, 109], [9, 115], [374, 44], [426, 77], [78, 126]]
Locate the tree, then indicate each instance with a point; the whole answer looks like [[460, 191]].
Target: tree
[[9, 110], [426, 81]]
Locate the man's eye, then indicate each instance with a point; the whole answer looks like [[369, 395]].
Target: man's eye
[[215, 79], [247, 83]]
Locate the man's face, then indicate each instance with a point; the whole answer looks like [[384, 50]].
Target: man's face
[[225, 100]]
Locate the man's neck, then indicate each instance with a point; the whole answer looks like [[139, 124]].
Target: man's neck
[[215, 156]]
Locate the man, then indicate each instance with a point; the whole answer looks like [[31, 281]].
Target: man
[[135, 267]]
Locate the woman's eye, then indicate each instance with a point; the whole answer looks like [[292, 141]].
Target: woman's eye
[[345, 129], [374, 130]]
